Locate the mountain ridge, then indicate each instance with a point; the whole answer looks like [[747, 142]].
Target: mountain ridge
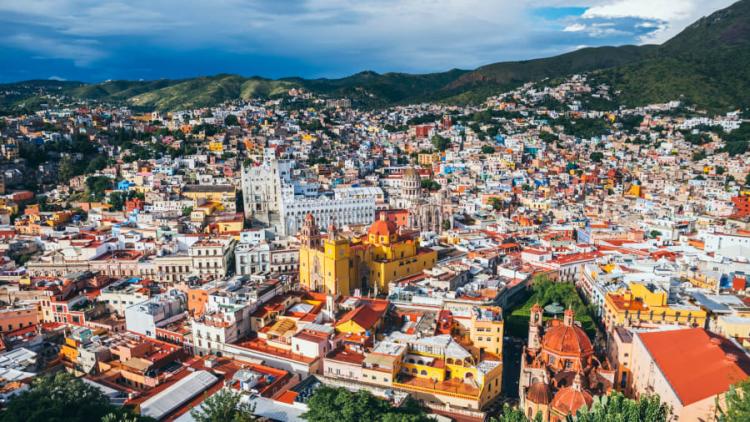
[[707, 64]]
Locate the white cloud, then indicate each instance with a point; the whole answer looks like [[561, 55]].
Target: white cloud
[[406, 35], [676, 14], [576, 27]]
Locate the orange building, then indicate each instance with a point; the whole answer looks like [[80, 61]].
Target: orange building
[[741, 206], [15, 318], [398, 217], [559, 370]]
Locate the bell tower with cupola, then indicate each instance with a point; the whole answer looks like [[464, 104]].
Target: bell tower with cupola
[[535, 327]]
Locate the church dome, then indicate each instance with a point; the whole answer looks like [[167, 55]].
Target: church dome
[[410, 173], [539, 393], [567, 340], [383, 227], [569, 400]]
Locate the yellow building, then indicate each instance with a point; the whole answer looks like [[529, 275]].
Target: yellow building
[[436, 367], [8, 205], [735, 326], [69, 350], [58, 218], [224, 194], [486, 329], [216, 146], [428, 159], [704, 281], [336, 265], [634, 191], [641, 304]]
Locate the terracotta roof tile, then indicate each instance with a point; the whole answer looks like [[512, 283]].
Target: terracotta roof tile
[[676, 353]]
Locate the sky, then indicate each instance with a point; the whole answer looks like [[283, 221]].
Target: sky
[[97, 40]]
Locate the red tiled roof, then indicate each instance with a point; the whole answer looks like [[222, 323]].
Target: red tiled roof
[[287, 397], [576, 257], [383, 228], [696, 363], [364, 316], [569, 400], [567, 340]]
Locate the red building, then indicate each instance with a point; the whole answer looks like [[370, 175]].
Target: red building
[[134, 204], [741, 206], [447, 122], [398, 217], [423, 131]]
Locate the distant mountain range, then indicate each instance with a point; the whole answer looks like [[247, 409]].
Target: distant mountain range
[[707, 64]]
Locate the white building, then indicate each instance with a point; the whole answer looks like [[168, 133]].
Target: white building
[[143, 318], [727, 245], [268, 257], [210, 257], [273, 198], [326, 211], [119, 295], [261, 188]]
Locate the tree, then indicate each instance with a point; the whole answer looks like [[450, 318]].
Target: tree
[[511, 414], [487, 149], [617, 407], [596, 156], [67, 169], [496, 203], [330, 404], [747, 180], [231, 120], [699, 155], [548, 137], [62, 397], [441, 143], [720, 170], [430, 185], [120, 417], [737, 406], [96, 164], [96, 185], [116, 200], [224, 406]]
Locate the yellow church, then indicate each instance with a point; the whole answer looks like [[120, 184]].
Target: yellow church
[[333, 264]]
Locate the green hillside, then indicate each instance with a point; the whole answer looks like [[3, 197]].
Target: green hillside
[[707, 64], [498, 77], [374, 89]]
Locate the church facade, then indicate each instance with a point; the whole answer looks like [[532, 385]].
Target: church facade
[[334, 264], [427, 212]]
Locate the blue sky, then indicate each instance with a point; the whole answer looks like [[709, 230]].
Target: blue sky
[[96, 40]]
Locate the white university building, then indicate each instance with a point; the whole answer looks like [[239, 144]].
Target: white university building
[[271, 197]]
